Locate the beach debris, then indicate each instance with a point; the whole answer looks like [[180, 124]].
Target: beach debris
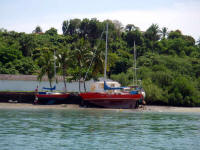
[[12, 101]]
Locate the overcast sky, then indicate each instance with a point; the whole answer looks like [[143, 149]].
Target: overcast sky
[[25, 15]]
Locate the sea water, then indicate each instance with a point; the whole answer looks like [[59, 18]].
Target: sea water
[[93, 129]]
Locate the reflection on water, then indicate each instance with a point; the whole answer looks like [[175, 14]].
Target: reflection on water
[[99, 129]]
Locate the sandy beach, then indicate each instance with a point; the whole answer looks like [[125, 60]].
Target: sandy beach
[[72, 106], [31, 106]]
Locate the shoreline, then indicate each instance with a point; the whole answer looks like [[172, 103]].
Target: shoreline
[[77, 107], [170, 109]]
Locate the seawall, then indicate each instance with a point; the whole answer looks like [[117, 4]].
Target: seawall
[[17, 97], [29, 97]]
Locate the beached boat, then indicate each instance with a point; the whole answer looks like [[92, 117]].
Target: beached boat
[[115, 97], [110, 94], [49, 97]]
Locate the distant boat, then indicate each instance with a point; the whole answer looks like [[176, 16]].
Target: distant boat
[[110, 94]]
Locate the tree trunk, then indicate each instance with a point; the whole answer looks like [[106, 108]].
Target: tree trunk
[[50, 85], [84, 86], [79, 82], [65, 83], [64, 80]]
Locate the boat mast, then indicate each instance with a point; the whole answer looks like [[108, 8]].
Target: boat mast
[[135, 73], [105, 68], [55, 65]]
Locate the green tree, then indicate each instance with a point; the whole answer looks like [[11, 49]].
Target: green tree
[[154, 94], [182, 92], [131, 27], [65, 27], [8, 54], [51, 32], [98, 62], [198, 43], [46, 63], [134, 36], [64, 59], [153, 33], [73, 27], [164, 32], [82, 57], [91, 30], [27, 44], [175, 34], [38, 29]]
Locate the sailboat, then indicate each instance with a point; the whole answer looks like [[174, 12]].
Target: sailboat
[[109, 94], [50, 96]]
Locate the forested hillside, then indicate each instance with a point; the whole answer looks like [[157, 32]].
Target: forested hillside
[[168, 61]]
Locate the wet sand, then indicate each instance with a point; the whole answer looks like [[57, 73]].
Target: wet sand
[[72, 106]]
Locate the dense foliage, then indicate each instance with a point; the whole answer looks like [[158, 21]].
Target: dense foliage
[[168, 62]]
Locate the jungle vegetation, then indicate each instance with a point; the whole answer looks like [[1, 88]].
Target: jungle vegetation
[[168, 61]]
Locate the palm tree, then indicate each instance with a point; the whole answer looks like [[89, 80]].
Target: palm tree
[[98, 62], [152, 32], [64, 57], [46, 62], [82, 55], [164, 32]]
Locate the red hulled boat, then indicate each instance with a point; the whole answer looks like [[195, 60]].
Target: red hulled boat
[[115, 97], [115, 100], [51, 97]]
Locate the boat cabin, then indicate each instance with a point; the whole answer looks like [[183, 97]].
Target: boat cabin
[[99, 86]]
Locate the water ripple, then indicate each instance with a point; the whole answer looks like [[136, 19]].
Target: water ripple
[[90, 129]]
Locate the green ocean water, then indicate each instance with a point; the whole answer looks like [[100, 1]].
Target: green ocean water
[[38, 129]]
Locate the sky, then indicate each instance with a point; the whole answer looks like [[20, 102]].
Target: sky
[[25, 15]]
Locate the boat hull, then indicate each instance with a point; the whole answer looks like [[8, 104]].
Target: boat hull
[[51, 98], [106, 100]]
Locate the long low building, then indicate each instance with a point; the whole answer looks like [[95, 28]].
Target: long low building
[[25, 77]]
